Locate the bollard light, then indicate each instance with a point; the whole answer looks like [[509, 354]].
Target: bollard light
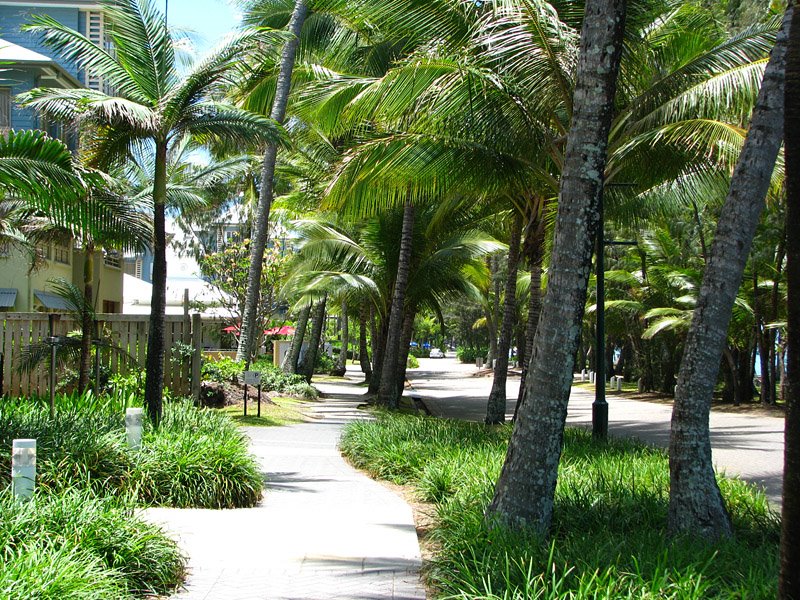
[[23, 468], [133, 427]]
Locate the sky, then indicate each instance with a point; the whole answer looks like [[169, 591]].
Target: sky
[[209, 20]]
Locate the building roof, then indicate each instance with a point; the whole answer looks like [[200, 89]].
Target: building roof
[[7, 297], [12, 54], [52, 301]]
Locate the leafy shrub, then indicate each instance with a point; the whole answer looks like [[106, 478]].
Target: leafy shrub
[[323, 363], [412, 362], [419, 352], [223, 370], [274, 379], [75, 544], [469, 354]]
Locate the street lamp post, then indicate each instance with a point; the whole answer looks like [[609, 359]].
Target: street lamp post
[[600, 406]]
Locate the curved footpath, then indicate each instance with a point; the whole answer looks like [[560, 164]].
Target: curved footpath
[[746, 445], [323, 529]]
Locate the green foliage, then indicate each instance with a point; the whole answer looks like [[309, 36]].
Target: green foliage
[[273, 379], [196, 458], [608, 538], [412, 362], [419, 352], [221, 370], [229, 268], [74, 544], [469, 354], [323, 363]]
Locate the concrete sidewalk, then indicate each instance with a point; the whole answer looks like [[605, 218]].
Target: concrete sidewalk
[[744, 445], [323, 529]]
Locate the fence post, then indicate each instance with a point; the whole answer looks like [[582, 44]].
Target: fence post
[[197, 355]]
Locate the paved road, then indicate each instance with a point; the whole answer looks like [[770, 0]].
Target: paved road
[[745, 445], [323, 530]]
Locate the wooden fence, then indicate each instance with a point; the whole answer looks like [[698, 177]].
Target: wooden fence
[[128, 333]]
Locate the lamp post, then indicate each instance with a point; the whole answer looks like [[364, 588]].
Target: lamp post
[[600, 406]]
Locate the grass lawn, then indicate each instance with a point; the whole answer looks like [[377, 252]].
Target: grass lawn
[[608, 536], [284, 411]]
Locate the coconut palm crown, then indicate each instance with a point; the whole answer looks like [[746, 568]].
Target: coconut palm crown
[[152, 104]]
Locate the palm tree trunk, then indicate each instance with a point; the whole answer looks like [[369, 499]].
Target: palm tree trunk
[[526, 487], [290, 361], [405, 350], [496, 407], [87, 325], [363, 352], [310, 357], [789, 579], [260, 231], [387, 392], [378, 349], [341, 363], [695, 503], [535, 258], [154, 362]]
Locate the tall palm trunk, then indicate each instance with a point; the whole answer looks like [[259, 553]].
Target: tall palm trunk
[[789, 579], [525, 489], [290, 361], [260, 231], [310, 357], [87, 325], [535, 258], [154, 362], [363, 352], [695, 502], [496, 407], [341, 363], [387, 392], [405, 350], [378, 350]]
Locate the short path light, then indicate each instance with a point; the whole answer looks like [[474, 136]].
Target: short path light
[[23, 468], [133, 427]]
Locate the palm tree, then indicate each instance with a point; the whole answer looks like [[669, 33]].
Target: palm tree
[[789, 579], [696, 505], [154, 106], [37, 166], [265, 197], [103, 220], [525, 489]]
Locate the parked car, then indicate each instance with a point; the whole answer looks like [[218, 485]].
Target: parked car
[[437, 353]]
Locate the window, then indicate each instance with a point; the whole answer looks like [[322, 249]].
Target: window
[[5, 109], [43, 252], [61, 254], [96, 32], [112, 258], [109, 306]]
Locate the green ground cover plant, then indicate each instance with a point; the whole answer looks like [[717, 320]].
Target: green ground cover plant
[[608, 538], [197, 458], [76, 544]]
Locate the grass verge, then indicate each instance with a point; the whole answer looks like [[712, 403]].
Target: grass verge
[[608, 538], [279, 411]]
